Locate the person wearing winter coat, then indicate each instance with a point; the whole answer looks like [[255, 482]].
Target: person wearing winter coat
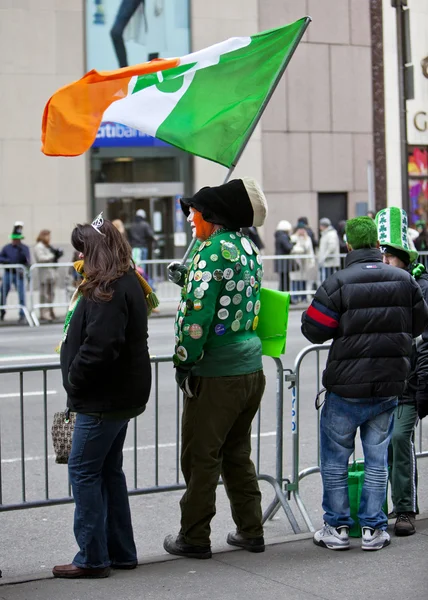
[[305, 273], [44, 253], [329, 249], [413, 403], [371, 311], [106, 375], [283, 247], [15, 253]]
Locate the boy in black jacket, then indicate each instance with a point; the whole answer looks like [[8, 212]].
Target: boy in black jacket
[[372, 312]]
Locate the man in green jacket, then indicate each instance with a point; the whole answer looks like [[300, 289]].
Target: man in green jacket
[[218, 361]]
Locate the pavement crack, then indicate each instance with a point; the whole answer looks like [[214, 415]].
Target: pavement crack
[[271, 579]]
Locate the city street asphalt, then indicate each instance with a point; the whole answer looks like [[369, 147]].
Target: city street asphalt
[[34, 540]]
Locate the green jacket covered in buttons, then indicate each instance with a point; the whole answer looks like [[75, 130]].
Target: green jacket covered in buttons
[[217, 317]]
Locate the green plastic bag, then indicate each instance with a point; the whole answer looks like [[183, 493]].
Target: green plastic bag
[[273, 321], [355, 487]]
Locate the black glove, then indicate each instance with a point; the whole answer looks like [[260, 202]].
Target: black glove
[[57, 253], [177, 273], [422, 400], [182, 377]]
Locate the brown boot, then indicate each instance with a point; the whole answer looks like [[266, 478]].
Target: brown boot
[[405, 524], [73, 572], [52, 315]]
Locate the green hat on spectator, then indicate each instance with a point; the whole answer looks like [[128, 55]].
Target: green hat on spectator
[[392, 226]]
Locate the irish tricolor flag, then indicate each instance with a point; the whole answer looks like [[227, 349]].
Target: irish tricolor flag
[[206, 103]]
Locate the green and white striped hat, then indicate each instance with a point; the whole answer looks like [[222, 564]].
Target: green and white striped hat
[[392, 230]]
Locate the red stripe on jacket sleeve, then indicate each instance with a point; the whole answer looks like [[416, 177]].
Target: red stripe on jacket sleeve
[[321, 318]]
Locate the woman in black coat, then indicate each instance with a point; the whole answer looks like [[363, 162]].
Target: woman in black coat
[[107, 376], [283, 246]]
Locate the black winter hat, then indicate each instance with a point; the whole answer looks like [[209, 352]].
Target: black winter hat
[[235, 204]]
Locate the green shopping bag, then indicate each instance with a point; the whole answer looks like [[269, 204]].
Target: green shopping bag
[[355, 487]]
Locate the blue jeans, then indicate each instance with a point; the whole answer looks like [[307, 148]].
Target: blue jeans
[[124, 14], [17, 279], [340, 419], [102, 517]]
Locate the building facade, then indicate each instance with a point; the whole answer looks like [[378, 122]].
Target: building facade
[[314, 151]]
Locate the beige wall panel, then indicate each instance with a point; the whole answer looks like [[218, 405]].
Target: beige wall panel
[[286, 162], [69, 36], [363, 152], [332, 162], [15, 4], [232, 9], [76, 5], [207, 31], [37, 52], [330, 21], [353, 199], [351, 89], [360, 22], [28, 175], [249, 165], [308, 89], [275, 116], [11, 213], [43, 4], [22, 106], [274, 13]]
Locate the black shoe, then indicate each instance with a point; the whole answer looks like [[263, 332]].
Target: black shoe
[[405, 524], [179, 547], [2, 315], [256, 544], [22, 320]]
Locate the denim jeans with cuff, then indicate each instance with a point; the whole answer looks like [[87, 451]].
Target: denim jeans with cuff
[[102, 517], [340, 419]]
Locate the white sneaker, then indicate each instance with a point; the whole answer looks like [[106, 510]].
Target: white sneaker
[[374, 539], [333, 538]]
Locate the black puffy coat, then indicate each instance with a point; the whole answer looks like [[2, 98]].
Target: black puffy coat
[[419, 362], [372, 311], [105, 360], [283, 245]]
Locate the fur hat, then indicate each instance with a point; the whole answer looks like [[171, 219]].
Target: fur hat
[[284, 226], [392, 231], [235, 204]]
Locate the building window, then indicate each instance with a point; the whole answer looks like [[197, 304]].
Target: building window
[[418, 184]]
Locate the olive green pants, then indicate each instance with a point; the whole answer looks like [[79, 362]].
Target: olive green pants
[[216, 440], [403, 472]]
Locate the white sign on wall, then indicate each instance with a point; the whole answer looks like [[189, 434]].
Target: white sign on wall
[[417, 109]]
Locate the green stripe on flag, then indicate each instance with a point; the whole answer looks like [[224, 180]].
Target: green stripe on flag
[[215, 115]]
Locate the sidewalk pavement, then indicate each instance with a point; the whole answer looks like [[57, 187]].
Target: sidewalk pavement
[[293, 569]]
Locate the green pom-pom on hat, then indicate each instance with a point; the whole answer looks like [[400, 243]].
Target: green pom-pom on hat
[[392, 226]]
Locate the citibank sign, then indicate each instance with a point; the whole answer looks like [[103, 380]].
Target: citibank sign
[[115, 135]]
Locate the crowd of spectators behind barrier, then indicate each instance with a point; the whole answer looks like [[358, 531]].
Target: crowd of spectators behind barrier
[[316, 256]]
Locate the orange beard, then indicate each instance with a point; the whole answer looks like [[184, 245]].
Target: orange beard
[[203, 228]]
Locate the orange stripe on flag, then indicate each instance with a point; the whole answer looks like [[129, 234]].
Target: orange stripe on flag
[[73, 114]]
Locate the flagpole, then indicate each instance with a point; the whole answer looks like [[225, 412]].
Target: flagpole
[[193, 241], [257, 118]]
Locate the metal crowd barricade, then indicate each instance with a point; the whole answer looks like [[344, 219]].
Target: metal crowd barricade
[[296, 378], [3, 306], [63, 288], [15, 480]]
